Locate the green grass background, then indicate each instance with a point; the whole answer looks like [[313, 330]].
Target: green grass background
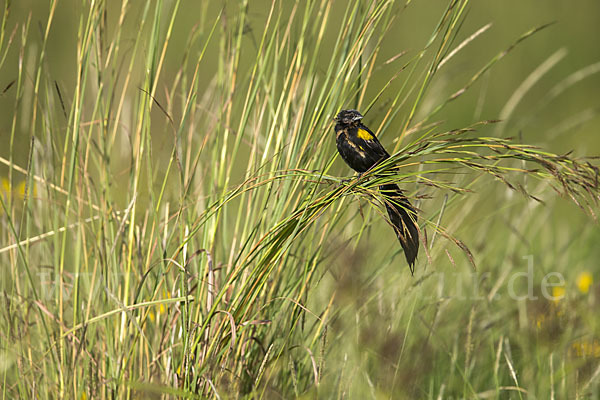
[[175, 223]]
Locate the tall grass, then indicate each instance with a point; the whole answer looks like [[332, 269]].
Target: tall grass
[[185, 229]]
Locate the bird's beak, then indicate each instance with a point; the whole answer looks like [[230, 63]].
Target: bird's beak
[[358, 117]]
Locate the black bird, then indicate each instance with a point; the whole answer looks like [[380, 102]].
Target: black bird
[[361, 150]]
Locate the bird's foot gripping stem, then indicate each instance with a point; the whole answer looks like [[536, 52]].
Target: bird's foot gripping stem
[[345, 181]]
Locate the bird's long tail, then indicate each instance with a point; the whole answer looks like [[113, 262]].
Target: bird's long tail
[[404, 219]]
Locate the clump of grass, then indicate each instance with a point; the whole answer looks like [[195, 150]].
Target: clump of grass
[[185, 225]]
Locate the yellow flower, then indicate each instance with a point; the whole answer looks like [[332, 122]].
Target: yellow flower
[[558, 292], [6, 189], [586, 348], [5, 186], [584, 281], [161, 308], [540, 320], [21, 190]]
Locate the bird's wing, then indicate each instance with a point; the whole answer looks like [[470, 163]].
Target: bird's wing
[[367, 138]]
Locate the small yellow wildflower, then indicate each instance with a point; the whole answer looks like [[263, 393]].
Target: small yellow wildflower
[[21, 190], [162, 309], [584, 281], [586, 348], [558, 293], [540, 320], [5, 186], [6, 189]]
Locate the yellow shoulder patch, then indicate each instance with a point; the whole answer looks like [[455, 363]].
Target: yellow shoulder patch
[[364, 135]]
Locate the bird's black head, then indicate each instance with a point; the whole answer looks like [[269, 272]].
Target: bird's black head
[[348, 117]]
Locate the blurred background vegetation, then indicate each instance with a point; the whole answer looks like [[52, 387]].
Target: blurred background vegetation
[[175, 224]]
